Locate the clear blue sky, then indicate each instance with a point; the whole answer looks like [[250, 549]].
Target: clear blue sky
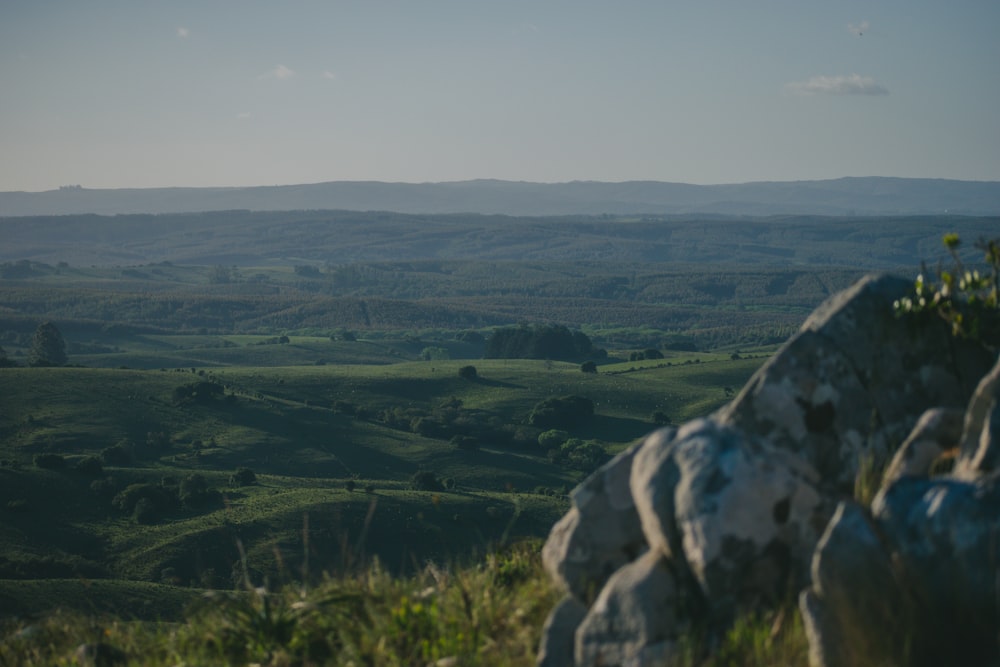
[[134, 93]]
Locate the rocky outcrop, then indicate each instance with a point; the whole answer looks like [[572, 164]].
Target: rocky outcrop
[[694, 525], [914, 581]]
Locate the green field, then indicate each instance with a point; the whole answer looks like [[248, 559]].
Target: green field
[[288, 424]]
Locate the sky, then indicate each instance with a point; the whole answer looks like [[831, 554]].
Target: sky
[[136, 93]]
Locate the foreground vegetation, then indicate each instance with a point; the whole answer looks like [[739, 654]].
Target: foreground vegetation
[[487, 614]]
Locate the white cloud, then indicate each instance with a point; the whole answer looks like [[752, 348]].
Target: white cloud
[[278, 72], [183, 32], [858, 28], [329, 75], [850, 84], [244, 115]]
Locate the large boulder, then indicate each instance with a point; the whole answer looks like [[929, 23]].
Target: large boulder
[[637, 618], [913, 581], [852, 383], [694, 525], [738, 517]]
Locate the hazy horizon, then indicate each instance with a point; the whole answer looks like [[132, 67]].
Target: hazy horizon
[[114, 94]]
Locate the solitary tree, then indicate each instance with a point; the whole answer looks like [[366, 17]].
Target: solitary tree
[[47, 346]]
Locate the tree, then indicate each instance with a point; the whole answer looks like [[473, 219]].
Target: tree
[[588, 367], [538, 342], [194, 491], [243, 477], [4, 361], [425, 480], [561, 412], [47, 346], [467, 372]]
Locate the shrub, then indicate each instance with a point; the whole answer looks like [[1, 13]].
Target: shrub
[[659, 418], [467, 373], [197, 392], [562, 412], [583, 455], [50, 461], [967, 300], [552, 438], [146, 502], [243, 477], [117, 454], [194, 491], [588, 367], [425, 480]]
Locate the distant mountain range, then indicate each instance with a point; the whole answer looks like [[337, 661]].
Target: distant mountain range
[[841, 197]]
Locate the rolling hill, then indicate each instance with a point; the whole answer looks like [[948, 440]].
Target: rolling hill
[[844, 196]]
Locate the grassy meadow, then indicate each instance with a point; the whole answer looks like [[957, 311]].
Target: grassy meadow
[[333, 462]]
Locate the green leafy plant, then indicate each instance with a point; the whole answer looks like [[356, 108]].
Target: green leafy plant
[[969, 300]]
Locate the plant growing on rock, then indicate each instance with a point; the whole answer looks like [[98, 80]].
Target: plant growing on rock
[[965, 298]]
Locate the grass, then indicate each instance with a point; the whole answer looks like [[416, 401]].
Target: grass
[[487, 614]]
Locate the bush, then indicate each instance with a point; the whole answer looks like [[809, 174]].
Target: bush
[[659, 418], [243, 477], [467, 373], [583, 455], [964, 298], [552, 438], [588, 367], [146, 502], [117, 454], [562, 412], [50, 461], [197, 392], [426, 481], [194, 491]]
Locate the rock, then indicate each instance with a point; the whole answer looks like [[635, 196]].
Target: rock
[[809, 400], [980, 448], [912, 584], [599, 534], [559, 633], [854, 380], [849, 611], [749, 517], [938, 430], [696, 525], [654, 477], [638, 615]]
